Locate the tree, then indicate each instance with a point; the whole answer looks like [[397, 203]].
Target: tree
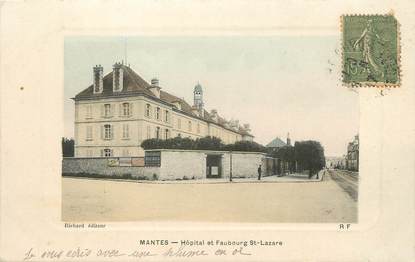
[[287, 155], [310, 156], [209, 143], [245, 146], [68, 145], [205, 143]]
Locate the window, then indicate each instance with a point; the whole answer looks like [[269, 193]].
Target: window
[[190, 126], [158, 113], [125, 109], [89, 133], [107, 152], [179, 123], [167, 134], [148, 132], [89, 111], [157, 132], [166, 116], [125, 133], [107, 110], [108, 132], [148, 110], [198, 128], [152, 158]]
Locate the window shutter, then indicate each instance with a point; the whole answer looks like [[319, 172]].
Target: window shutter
[[111, 131], [120, 113], [102, 132], [131, 109], [112, 109]]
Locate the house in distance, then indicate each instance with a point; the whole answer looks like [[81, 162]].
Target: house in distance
[[120, 110]]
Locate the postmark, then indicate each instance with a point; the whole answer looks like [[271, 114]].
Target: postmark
[[371, 52]]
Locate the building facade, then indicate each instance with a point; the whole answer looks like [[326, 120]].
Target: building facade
[[336, 162], [120, 110], [352, 157]]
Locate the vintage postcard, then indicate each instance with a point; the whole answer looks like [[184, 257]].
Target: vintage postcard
[[207, 131], [163, 142]]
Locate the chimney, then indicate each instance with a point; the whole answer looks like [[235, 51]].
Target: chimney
[[214, 115], [117, 78], [234, 124], [98, 76], [154, 87]]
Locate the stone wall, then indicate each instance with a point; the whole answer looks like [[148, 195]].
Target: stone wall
[[182, 165], [246, 165], [175, 165], [99, 166], [191, 164]]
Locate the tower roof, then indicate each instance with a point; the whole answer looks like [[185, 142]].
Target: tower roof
[[198, 88], [277, 142]]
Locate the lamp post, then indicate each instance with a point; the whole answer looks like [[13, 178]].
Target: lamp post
[[230, 169]]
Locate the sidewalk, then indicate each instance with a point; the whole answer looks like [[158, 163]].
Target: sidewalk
[[291, 178]]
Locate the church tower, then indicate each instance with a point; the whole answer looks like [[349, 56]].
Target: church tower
[[198, 97]]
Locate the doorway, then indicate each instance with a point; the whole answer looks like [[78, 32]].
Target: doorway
[[213, 166]]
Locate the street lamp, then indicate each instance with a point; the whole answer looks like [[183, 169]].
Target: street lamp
[[230, 169]]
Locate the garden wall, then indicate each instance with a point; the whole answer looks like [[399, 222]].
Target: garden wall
[[100, 166]]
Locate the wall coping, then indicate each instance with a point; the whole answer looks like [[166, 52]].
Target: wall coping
[[204, 151], [103, 157]]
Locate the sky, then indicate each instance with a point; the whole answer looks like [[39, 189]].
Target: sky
[[277, 84]]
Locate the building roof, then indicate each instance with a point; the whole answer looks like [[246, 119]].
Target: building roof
[[277, 142], [134, 85]]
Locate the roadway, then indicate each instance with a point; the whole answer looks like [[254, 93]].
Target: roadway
[[348, 181]]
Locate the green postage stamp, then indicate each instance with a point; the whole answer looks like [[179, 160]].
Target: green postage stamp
[[370, 50]]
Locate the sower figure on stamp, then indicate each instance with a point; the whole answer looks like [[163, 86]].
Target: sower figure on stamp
[[259, 172], [368, 38]]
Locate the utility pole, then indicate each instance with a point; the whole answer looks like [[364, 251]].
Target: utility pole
[[125, 50]]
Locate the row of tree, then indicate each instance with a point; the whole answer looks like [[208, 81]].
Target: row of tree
[[205, 143], [305, 155]]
